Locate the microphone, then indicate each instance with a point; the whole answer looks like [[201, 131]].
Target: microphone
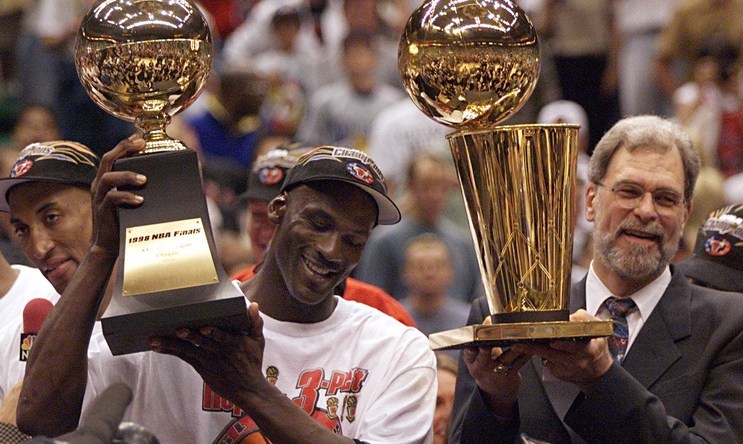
[[101, 424], [34, 314]]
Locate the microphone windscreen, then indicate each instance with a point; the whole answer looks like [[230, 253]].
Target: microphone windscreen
[[101, 424], [34, 314]]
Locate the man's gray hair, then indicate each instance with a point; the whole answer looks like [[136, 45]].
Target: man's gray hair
[[633, 132]]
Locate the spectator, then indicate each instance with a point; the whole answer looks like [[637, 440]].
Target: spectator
[[399, 134], [716, 261], [342, 112], [582, 37], [430, 181], [56, 24], [694, 23], [230, 127], [321, 23], [428, 273], [639, 24], [291, 74]]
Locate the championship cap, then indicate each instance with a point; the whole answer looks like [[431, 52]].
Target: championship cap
[[267, 175], [346, 165], [59, 161], [717, 260]]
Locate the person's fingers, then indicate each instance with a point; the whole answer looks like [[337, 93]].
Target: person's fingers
[[132, 145], [116, 197], [256, 322], [184, 350], [509, 358], [582, 316], [469, 354], [538, 349], [196, 338]]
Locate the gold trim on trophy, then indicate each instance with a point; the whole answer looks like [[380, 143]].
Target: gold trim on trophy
[[470, 64]]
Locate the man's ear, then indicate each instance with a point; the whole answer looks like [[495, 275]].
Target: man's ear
[[688, 206], [590, 201], [277, 208]]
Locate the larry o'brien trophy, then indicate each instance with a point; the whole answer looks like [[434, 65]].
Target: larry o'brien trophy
[[470, 64], [144, 61]]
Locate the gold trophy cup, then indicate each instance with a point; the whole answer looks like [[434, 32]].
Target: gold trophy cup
[[144, 61], [470, 64]]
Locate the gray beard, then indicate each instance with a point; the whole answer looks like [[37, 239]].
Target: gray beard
[[639, 264]]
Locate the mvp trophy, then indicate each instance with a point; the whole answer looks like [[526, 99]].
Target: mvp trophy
[[470, 64], [144, 61]]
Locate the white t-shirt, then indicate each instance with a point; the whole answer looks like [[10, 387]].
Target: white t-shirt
[[30, 284], [359, 372]]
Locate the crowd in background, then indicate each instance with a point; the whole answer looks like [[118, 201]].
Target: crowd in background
[[325, 72]]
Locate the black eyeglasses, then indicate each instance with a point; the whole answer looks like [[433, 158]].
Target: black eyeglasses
[[629, 196]]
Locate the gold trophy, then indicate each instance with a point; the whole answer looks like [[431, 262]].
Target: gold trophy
[[144, 61], [470, 64]]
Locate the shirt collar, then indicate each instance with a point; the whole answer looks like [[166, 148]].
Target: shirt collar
[[646, 298]]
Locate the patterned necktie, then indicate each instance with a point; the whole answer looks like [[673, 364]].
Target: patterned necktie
[[619, 308]]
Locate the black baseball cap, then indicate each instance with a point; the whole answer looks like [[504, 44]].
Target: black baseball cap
[[61, 161], [267, 175], [717, 260], [346, 165]]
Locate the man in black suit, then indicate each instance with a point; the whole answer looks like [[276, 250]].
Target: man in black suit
[[679, 377]]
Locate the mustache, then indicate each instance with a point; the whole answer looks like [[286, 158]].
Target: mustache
[[653, 229]]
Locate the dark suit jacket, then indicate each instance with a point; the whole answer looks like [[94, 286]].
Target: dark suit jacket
[[681, 381]]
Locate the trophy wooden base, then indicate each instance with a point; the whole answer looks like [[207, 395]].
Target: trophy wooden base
[[506, 334], [169, 275]]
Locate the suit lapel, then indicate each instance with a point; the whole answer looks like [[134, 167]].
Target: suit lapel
[[654, 349], [560, 393]]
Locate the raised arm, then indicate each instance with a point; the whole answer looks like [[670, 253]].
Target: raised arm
[[56, 373]]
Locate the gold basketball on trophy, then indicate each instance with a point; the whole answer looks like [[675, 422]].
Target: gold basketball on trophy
[[144, 61], [471, 64]]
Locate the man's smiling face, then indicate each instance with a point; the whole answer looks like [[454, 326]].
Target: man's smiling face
[[637, 243]]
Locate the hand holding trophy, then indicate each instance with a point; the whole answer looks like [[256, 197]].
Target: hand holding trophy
[[470, 64], [144, 61]]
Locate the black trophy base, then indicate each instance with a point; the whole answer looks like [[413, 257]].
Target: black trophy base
[[221, 306], [168, 274]]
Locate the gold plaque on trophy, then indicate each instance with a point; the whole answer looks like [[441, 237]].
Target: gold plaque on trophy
[[144, 61], [470, 64], [167, 256]]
